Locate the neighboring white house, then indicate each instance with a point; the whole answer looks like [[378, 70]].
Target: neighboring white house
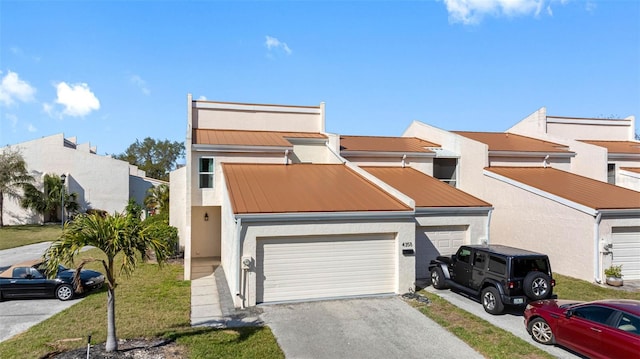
[[100, 182], [544, 201]]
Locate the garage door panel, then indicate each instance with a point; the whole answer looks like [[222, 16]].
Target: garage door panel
[[321, 267], [432, 241], [626, 251]]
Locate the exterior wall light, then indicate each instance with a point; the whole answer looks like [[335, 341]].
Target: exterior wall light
[[206, 216]]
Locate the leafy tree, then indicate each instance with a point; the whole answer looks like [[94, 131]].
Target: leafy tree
[[47, 201], [118, 234], [156, 158], [13, 177], [158, 198]]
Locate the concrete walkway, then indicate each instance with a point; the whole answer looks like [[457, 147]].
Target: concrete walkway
[[211, 301]]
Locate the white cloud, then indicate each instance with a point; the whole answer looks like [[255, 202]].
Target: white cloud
[[77, 99], [202, 98], [473, 11], [31, 128], [13, 89], [273, 43], [140, 83]]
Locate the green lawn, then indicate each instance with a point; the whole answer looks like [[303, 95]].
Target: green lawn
[[16, 236], [151, 303], [493, 342]]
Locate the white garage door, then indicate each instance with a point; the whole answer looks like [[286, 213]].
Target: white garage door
[[437, 241], [626, 251], [303, 268]]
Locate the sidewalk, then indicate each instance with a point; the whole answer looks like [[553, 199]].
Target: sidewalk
[[211, 300]]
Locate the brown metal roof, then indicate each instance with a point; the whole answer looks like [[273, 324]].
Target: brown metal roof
[[269, 188], [248, 138], [631, 169], [504, 141], [585, 191], [425, 190], [618, 146], [385, 144]]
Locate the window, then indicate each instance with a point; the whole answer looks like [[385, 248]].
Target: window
[[629, 323], [480, 259], [594, 313], [205, 171], [445, 169], [611, 173], [497, 265], [522, 266], [464, 255]]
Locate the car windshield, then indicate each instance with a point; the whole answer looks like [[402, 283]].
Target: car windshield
[[522, 266]]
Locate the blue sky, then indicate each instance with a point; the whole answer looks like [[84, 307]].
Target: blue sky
[[113, 72]]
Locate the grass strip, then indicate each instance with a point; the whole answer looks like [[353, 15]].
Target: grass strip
[[16, 236]]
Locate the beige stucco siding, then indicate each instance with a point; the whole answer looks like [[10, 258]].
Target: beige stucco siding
[[266, 118], [178, 202], [527, 220]]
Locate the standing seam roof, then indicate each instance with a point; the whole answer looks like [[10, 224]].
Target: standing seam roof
[[583, 190], [425, 190], [504, 141], [248, 138], [269, 188], [385, 144], [628, 147]]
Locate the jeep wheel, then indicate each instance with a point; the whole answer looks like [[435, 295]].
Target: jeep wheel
[[541, 331], [437, 278], [491, 301], [537, 285]]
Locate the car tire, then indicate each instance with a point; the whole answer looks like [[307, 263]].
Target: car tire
[[437, 278], [491, 300], [64, 292], [537, 285], [541, 331]]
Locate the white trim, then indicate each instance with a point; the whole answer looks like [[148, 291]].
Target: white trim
[[630, 173], [577, 206], [589, 121], [531, 154], [613, 156], [385, 154], [433, 211], [315, 216], [256, 108], [630, 212]]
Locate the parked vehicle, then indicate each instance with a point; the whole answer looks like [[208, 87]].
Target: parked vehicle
[[598, 329], [27, 280], [498, 275]]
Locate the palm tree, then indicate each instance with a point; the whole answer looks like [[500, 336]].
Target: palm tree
[[113, 235], [158, 198], [13, 176], [47, 202]]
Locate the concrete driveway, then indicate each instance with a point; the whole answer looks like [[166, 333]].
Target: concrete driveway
[[512, 322], [18, 315], [384, 327]]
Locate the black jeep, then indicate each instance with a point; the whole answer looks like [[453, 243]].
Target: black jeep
[[497, 274]]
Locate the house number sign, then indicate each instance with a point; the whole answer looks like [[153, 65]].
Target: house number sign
[[407, 244]]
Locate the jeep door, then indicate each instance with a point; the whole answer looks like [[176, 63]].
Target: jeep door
[[462, 267], [478, 269]]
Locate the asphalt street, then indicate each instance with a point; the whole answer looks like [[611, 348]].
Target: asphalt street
[[18, 315], [512, 322], [384, 327]]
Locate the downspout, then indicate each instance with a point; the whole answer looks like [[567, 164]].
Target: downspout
[[238, 256], [286, 157], [489, 226], [596, 248], [404, 157]]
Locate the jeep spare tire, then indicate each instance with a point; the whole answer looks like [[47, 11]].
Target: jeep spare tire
[[537, 285]]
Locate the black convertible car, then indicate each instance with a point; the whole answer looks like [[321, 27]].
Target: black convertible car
[[27, 280]]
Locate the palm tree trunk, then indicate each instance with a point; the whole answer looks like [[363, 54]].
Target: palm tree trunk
[[112, 340]]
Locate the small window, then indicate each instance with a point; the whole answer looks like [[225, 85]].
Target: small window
[[497, 265], [480, 259], [464, 255], [611, 173], [205, 171], [629, 323], [445, 169]]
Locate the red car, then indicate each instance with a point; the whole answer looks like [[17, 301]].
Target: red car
[[598, 329]]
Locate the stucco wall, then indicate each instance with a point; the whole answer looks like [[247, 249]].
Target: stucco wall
[[422, 164], [403, 230], [526, 220], [561, 163], [258, 118], [591, 129], [477, 224], [205, 234], [628, 179], [312, 153], [101, 182], [178, 202], [229, 245]]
